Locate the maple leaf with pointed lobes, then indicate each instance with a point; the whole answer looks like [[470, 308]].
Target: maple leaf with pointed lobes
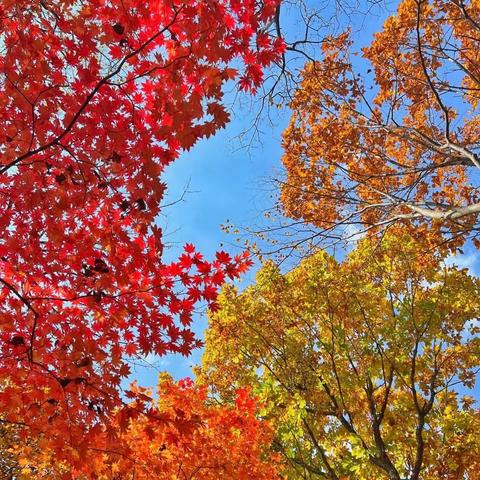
[[223, 257], [189, 248], [185, 261], [218, 278]]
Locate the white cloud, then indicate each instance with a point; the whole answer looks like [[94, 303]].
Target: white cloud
[[465, 260]]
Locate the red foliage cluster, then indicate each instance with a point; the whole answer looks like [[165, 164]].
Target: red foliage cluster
[[96, 99]]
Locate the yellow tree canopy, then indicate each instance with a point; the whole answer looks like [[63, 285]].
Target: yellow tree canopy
[[363, 365]]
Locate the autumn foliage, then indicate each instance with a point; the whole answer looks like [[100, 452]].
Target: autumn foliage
[[365, 367], [352, 369], [185, 436], [391, 135], [96, 99]]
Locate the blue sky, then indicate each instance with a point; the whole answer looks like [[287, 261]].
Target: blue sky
[[222, 182]]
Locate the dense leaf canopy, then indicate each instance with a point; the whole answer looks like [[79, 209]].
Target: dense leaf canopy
[[185, 436], [363, 365], [96, 99], [390, 134]]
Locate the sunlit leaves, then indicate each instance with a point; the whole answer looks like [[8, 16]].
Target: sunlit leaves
[[367, 360], [96, 99], [391, 135]]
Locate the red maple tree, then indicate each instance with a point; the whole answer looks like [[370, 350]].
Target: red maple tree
[[186, 435], [96, 99]]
